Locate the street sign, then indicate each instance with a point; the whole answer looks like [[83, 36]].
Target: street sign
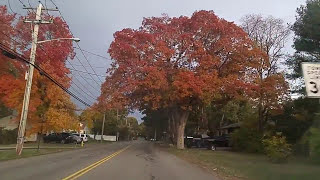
[[311, 74]]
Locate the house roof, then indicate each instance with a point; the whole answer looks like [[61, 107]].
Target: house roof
[[8, 122], [234, 125]]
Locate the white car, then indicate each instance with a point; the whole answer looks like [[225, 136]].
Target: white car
[[84, 137]]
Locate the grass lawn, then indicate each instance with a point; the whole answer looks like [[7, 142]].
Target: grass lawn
[[45, 148], [234, 165], [11, 154], [42, 145]]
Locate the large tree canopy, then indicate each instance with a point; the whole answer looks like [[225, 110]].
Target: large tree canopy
[[176, 63]]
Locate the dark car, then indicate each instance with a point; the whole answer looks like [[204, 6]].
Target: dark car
[[56, 137], [222, 141], [73, 139], [200, 141], [205, 141]]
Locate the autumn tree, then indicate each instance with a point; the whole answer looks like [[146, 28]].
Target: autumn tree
[[270, 35], [7, 67], [50, 108], [178, 63]]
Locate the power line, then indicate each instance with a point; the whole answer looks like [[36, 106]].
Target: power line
[[76, 42], [42, 72], [77, 45], [87, 60], [94, 54], [92, 66], [9, 5], [60, 69], [91, 96], [86, 72], [68, 77], [74, 77]]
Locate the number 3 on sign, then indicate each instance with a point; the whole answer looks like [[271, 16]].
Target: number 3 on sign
[[314, 87]]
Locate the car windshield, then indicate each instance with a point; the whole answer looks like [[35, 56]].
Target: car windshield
[[160, 89]]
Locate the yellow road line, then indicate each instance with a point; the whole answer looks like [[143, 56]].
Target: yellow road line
[[92, 166]]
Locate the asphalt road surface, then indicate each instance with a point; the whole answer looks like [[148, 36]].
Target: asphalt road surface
[[136, 160]]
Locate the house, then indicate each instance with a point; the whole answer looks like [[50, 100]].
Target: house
[[84, 129], [228, 129], [9, 123]]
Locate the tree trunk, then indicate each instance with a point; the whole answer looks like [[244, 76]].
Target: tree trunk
[[260, 111], [180, 118], [172, 129], [180, 136], [260, 118]]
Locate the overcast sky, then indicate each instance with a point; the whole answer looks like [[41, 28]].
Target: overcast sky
[[95, 21]]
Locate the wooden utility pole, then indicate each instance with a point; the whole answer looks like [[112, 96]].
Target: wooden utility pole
[[29, 76], [102, 129], [117, 124]]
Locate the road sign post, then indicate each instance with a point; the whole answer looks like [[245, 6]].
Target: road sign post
[[311, 74]]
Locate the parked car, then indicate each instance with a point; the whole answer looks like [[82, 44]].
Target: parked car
[[205, 141], [73, 139], [84, 137], [56, 137], [222, 141], [200, 141]]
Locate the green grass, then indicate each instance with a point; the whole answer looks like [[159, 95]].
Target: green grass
[[11, 154], [43, 145], [45, 148], [233, 165]]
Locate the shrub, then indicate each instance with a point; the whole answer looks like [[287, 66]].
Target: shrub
[[314, 144], [247, 140], [8, 136], [277, 149]]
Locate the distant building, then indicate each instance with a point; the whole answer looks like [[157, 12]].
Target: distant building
[[228, 128], [84, 129], [9, 123]]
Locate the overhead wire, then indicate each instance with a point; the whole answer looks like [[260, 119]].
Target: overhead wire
[[78, 73], [9, 5], [94, 54], [68, 77], [61, 69], [90, 74], [76, 58], [86, 72], [76, 42], [42, 71], [87, 66]]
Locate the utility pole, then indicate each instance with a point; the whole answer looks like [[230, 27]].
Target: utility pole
[[29, 75], [102, 129], [118, 124]]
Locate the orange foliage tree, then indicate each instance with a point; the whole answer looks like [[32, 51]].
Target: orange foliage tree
[[270, 35], [179, 63], [50, 108]]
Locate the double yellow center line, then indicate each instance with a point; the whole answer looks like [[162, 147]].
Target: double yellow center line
[[92, 166]]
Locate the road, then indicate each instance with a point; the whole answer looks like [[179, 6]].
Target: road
[[138, 160]]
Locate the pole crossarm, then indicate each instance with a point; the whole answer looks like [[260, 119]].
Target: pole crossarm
[[38, 21]]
